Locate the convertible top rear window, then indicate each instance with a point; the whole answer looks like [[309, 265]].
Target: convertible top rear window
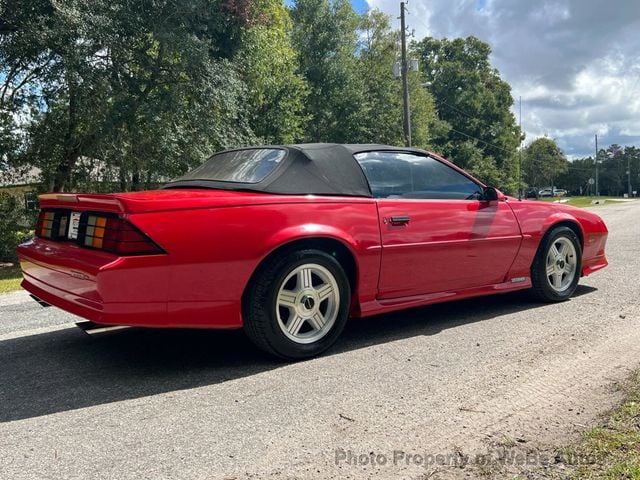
[[250, 165]]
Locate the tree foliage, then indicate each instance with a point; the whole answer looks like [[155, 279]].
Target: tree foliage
[[475, 102], [269, 63], [543, 162], [614, 163], [144, 86], [116, 94], [382, 121], [325, 34]]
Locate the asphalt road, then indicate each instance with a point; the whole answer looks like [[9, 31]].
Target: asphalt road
[[453, 379]]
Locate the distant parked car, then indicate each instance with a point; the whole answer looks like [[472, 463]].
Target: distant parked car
[[531, 192], [559, 192], [545, 192]]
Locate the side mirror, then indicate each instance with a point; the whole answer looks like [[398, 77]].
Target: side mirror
[[490, 194]]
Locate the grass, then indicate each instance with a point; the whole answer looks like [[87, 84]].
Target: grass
[[613, 447], [10, 278], [584, 201]]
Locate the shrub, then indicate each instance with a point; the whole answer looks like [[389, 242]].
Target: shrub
[[16, 225]]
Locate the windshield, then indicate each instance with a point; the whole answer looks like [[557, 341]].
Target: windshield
[[243, 166]]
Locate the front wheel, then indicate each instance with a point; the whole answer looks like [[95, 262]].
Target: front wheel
[[297, 305], [556, 269]]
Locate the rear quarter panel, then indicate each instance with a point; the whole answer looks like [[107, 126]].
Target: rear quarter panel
[[213, 252]]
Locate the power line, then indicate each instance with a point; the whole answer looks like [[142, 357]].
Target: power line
[[482, 141], [456, 109], [471, 136]]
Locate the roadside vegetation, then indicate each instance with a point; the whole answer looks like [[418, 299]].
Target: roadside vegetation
[[586, 201], [610, 450], [10, 277], [614, 444]]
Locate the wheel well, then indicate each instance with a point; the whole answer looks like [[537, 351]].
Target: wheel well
[[564, 223], [573, 226], [328, 245]]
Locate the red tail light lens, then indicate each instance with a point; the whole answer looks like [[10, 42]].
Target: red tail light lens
[[52, 224], [103, 231], [115, 235]]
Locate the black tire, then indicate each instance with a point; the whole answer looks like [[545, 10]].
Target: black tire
[[543, 289], [263, 314]]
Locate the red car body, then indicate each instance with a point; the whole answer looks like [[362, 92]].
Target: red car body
[[213, 241]]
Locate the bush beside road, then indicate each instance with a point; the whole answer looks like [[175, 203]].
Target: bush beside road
[[10, 277]]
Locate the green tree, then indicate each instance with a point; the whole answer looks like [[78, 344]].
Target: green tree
[[269, 65], [614, 163], [576, 178], [325, 35], [383, 93], [146, 87], [543, 162], [475, 102]]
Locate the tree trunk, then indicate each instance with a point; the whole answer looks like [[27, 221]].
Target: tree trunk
[[71, 142]]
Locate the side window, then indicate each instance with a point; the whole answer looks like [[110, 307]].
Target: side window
[[406, 175]]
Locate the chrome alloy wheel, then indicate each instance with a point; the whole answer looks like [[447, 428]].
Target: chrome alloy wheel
[[561, 264], [307, 303]]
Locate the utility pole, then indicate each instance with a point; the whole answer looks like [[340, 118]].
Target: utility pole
[[520, 159], [406, 120], [629, 175], [597, 189]]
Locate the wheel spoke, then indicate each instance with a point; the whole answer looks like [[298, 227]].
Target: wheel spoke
[[304, 278], [551, 269], [554, 251], [295, 324], [324, 291], [317, 321], [557, 280], [287, 298]]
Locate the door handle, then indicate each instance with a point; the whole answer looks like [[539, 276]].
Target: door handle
[[400, 220]]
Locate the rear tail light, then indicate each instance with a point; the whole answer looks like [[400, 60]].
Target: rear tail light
[[106, 232], [115, 235], [52, 224]]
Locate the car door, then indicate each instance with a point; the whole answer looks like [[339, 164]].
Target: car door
[[437, 235]]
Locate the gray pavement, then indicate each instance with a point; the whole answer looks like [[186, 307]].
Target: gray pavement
[[449, 379]]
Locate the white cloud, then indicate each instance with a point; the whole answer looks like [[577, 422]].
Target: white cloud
[[576, 63]]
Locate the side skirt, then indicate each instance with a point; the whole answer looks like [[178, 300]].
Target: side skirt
[[376, 307]]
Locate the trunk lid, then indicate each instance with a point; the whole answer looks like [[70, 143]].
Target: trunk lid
[[152, 201]]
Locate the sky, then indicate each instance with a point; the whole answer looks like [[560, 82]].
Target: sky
[[575, 63]]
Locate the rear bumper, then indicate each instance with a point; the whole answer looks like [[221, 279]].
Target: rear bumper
[[98, 286], [148, 314], [112, 290]]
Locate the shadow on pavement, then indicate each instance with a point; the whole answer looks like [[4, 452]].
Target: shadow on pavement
[[66, 370]]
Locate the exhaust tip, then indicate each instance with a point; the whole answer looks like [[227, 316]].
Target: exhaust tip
[[92, 328], [40, 301]]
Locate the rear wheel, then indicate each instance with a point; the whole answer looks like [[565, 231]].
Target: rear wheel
[[297, 305], [557, 265]]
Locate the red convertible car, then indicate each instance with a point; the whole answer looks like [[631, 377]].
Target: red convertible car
[[287, 242]]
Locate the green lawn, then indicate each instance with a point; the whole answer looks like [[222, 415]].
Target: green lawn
[[586, 201], [10, 278]]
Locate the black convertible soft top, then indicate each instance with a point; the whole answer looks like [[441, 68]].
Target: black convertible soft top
[[306, 169]]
